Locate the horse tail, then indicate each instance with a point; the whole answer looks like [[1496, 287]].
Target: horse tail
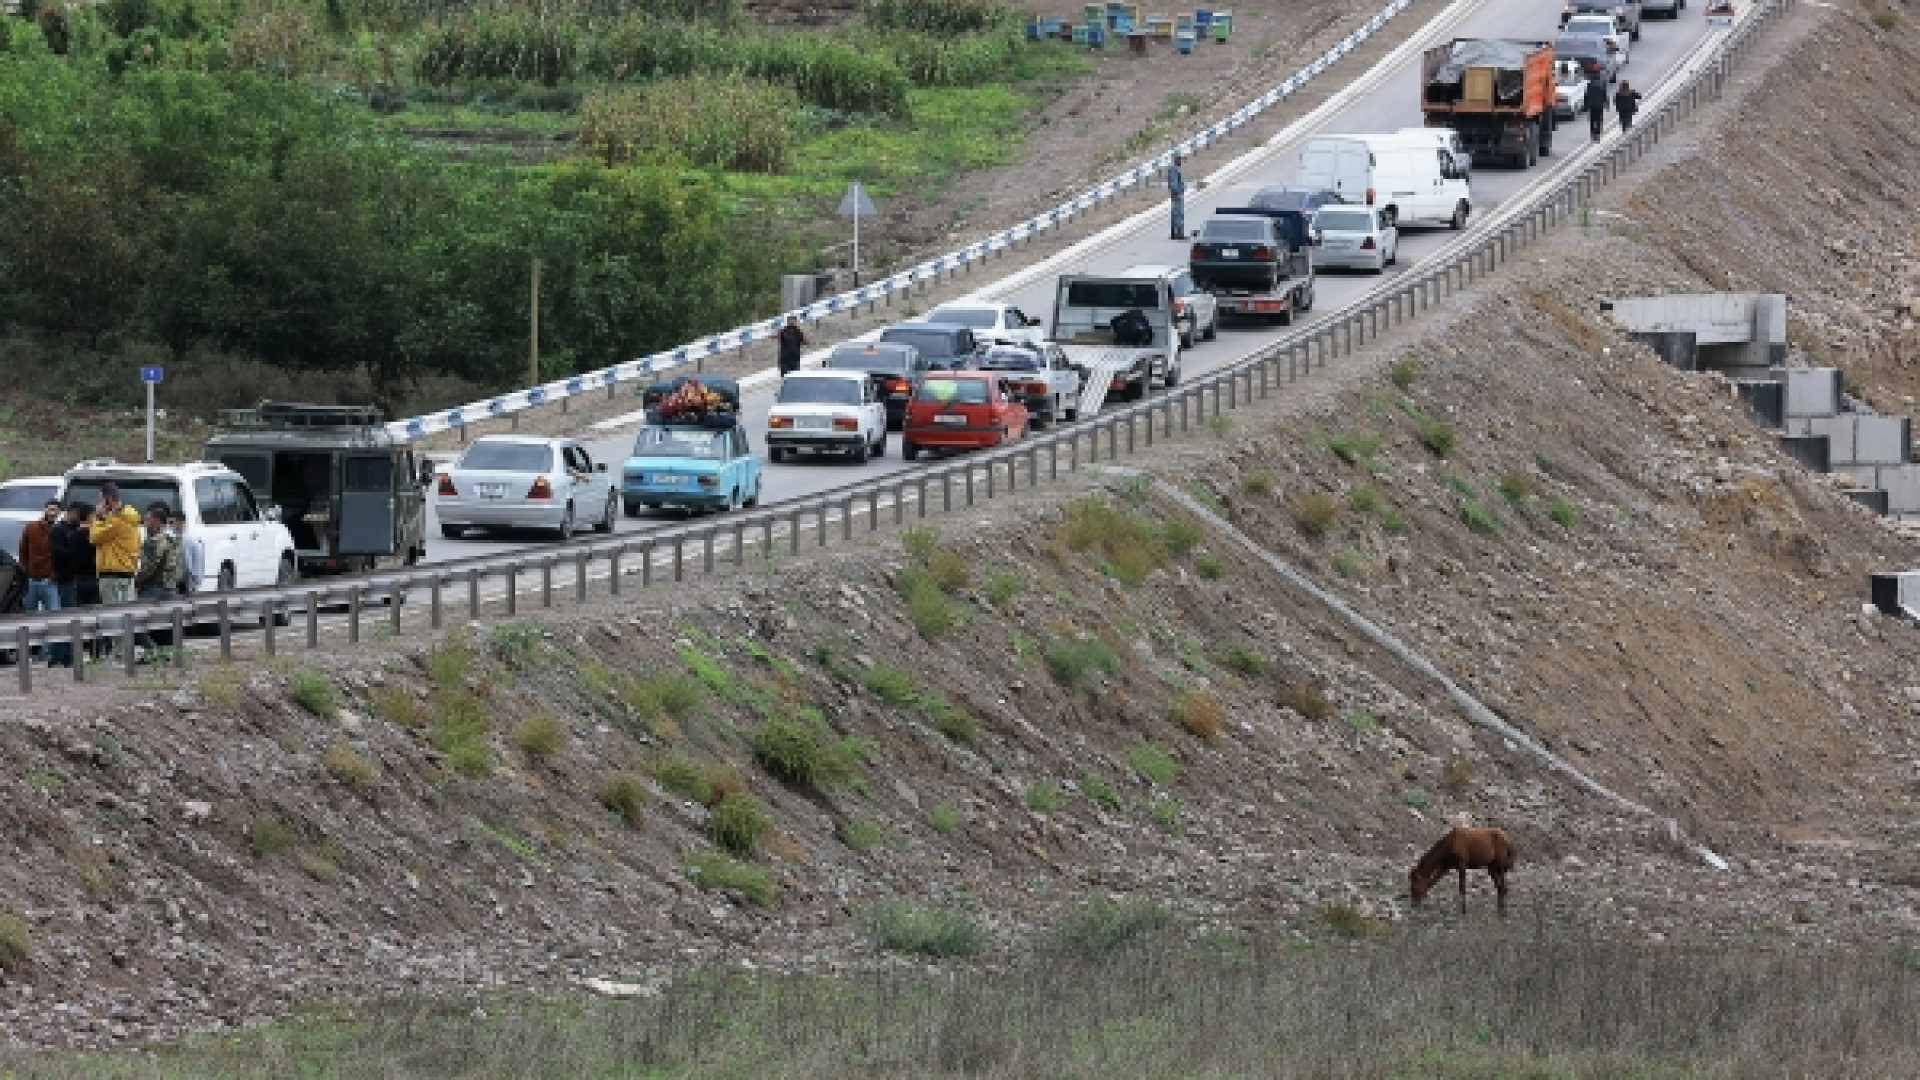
[[1510, 852]]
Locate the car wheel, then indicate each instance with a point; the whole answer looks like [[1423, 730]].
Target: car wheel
[[633, 509], [453, 532], [908, 450], [1213, 328], [1459, 219], [861, 452], [880, 444], [226, 581], [565, 530], [733, 500], [1186, 338], [753, 500], [1306, 300], [288, 574], [605, 524]]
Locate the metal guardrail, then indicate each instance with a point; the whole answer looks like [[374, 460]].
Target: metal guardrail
[[671, 553], [607, 378]]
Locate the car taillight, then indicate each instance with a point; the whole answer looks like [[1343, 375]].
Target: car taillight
[[897, 386], [1263, 253], [779, 421], [1369, 196], [1119, 382], [1367, 244], [446, 486], [1179, 307], [1033, 388], [1196, 253], [541, 489], [846, 423]]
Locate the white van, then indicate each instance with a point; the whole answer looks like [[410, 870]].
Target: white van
[[1446, 139], [1413, 180]]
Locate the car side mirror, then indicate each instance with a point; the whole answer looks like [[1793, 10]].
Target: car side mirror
[[1033, 320]]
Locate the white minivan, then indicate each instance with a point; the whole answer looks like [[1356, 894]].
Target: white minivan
[[1412, 180]]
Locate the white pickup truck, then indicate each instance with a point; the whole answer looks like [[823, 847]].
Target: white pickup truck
[[1118, 327]]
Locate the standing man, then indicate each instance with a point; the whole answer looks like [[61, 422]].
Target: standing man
[[115, 536], [159, 575], [36, 561], [792, 340], [1177, 194], [193, 557], [1596, 103], [69, 540], [86, 577], [1626, 102]]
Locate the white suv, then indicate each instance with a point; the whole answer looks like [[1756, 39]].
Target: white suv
[[244, 543]]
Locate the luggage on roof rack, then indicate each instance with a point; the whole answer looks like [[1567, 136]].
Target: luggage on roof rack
[[693, 402], [288, 414]]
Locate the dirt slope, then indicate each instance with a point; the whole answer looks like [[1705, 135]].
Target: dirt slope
[[1606, 552]]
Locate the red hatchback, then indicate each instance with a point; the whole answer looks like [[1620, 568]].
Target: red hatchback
[[961, 410]]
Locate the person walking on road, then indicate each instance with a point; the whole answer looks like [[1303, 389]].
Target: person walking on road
[[1177, 195], [1626, 102], [1596, 103], [36, 561], [793, 339]]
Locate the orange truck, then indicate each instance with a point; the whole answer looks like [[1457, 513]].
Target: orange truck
[[1497, 93]]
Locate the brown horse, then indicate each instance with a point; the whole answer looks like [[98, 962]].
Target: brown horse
[[1464, 850]]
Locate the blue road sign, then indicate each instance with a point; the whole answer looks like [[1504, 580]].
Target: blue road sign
[[152, 373]]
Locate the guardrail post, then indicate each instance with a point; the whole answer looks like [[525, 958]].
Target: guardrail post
[[873, 509], [433, 597], [396, 599], [766, 536], [546, 582], [946, 491], [899, 503], [80, 644], [353, 614], [23, 658], [793, 532], [820, 522], [1073, 452], [1113, 440], [127, 659], [1183, 414], [646, 563], [739, 543], [513, 588], [846, 519], [1233, 395], [267, 633], [580, 576], [473, 594], [920, 500], [1053, 461], [313, 619], [1130, 432], [706, 549], [679, 557], [993, 467], [1263, 378]]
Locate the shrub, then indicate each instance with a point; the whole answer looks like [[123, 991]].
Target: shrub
[[935, 17], [449, 661], [1180, 535], [1394, 523], [320, 866], [516, 645], [1346, 562], [1244, 661], [1315, 512], [1515, 487], [792, 752], [738, 824], [1478, 519], [1103, 925], [1436, 436], [349, 768], [1456, 775], [927, 606], [1209, 567], [624, 794], [16, 942], [728, 122], [1099, 791], [1364, 499], [952, 721], [1356, 448], [267, 836], [1258, 483], [1127, 545], [223, 686], [682, 776], [1305, 699], [395, 705], [1885, 19], [1200, 713], [860, 834], [899, 926], [1417, 799], [460, 732], [1402, 373], [715, 871], [944, 818], [1563, 513], [1363, 721], [1154, 763], [540, 736], [950, 572], [1074, 661], [1003, 586], [891, 684], [1042, 797], [311, 691], [721, 782], [1348, 921], [1165, 815], [921, 544], [677, 695]]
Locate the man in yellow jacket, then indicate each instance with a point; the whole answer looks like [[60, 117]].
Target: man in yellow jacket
[[115, 535]]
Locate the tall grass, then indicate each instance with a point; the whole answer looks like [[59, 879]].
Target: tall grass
[[726, 121]]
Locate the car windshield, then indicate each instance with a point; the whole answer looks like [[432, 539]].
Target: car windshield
[[1583, 45], [1589, 27], [666, 442], [963, 391], [1005, 359], [507, 457], [1252, 232], [137, 492], [1345, 221], [26, 496], [862, 360], [979, 318], [819, 392], [931, 343]]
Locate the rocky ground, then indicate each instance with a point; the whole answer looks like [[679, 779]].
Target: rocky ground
[[1607, 553]]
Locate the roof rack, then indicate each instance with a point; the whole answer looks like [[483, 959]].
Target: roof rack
[[291, 415]]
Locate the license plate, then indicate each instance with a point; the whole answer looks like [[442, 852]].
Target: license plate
[[1229, 253], [493, 491], [949, 419], [1339, 243], [814, 423]]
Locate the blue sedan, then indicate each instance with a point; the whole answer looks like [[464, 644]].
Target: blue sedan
[[689, 468]]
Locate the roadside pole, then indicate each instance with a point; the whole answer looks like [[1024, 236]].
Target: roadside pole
[[151, 376], [853, 204]]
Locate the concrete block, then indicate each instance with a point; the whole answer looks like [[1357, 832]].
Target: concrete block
[[1714, 318], [1808, 450], [1902, 485], [1874, 499], [1812, 391], [1840, 432], [1679, 348], [1770, 325], [1896, 593], [1766, 401], [1882, 440]]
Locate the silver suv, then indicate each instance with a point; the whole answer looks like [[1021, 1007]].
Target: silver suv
[[1195, 311]]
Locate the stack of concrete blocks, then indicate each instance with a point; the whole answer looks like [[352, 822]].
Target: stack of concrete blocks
[[1744, 337]]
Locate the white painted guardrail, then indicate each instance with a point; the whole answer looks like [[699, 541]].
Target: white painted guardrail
[[467, 588], [418, 427]]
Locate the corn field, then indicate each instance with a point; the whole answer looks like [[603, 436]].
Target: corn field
[[728, 121]]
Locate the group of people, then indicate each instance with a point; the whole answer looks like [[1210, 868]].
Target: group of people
[[81, 555], [1626, 102]]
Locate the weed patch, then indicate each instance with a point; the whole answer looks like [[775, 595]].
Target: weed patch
[[625, 795], [1100, 791], [1154, 763], [1364, 499], [540, 736], [682, 776], [715, 871], [267, 836], [1515, 487], [1164, 812], [793, 752], [1219, 426], [311, 691], [951, 720], [861, 834], [1563, 513], [1402, 374], [1394, 523], [1346, 562], [1437, 436], [1314, 512], [1363, 721], [1103, 925], [899, 926], [1356, 448], [1124, 543], [739, 823], [348, 768], [1042, 797], [449, 661], [460, 732], [944, 819], [1258, 484], [1209, 567], [891, 684], [1200, 713], [1478, 518], [1244, 661], [397, 706], [223, 686], [1456, 776], [16, 942], [928, 608], [1348, 921], [1305, 699], [1003, 586], [1074, 662], [515, 645]]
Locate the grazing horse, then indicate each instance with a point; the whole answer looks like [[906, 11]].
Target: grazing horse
[[1463, 850]]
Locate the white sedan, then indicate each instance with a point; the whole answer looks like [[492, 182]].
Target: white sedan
[[991, 323], [832, 410], [514, 482], [1355, 238]]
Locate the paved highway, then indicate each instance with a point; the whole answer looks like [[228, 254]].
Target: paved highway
[[1390, 101]]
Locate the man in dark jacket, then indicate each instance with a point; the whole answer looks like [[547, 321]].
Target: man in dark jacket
[[1596, 103], [792, 340], [69, 541], [1626, 102], [36, 561]]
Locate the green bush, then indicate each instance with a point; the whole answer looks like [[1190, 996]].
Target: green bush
[[1245, 661], [1356, 447], [1127, 544], [921, 544], [311, 691], [517, 645], [1347, 562], [1200, 713], [715, 872], [825, 69], [267, 836], [1074, 662], [1563, 513], [1402, 373], [1478, 519], [899, 926], [1003, 586], [1209, 567], [893, 685], [1436, 436], [625, 795], [1515, 487], [460, 731], [738, 823], [1042, 796], [512, 46], [1154, 763], [944, 819], [1364, 499], [675, 694], [936, 17], [1102, 926], [1180, 536], [1100, 791], [1305, 699], [792, 752], [1164, 812], [1394, 523], [927, 606], [1258, 483], [682, 776], [861, 834], [348, 768], [540, 736], [16, 942], [951, 720], [1315, 512]]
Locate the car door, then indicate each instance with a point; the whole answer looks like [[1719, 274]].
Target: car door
[[258, 559], [369, 521], [218, 532], [599, 482], [876, 409]]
